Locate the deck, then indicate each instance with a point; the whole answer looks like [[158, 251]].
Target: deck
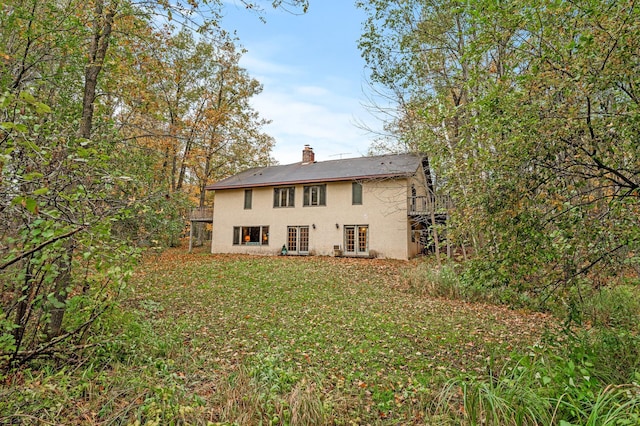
[[201, 214], [426, 205]]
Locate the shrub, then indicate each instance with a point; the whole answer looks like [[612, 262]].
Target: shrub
[[159, 221]]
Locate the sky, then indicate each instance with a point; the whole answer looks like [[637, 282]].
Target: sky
[[313, 77]]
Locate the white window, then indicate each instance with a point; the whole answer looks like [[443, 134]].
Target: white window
[[315, 195], [284, 197]]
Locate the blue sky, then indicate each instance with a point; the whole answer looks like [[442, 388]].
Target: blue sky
[[313, 76]]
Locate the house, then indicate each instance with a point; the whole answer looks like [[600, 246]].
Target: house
[[363, 207]]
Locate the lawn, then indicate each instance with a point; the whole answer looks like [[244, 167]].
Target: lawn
[[243, 339]]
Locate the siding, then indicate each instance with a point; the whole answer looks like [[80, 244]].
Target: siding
[[384, 210]]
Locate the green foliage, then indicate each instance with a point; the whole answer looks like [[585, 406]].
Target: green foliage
[[462, 281], [100, 273], [98, 133], [283, 397], [57, 251], [527, 111], [583, 380], [611, 344], [543, 387], [268, 372], [613, 307], [614, 354], [7, 338], [158, 221]]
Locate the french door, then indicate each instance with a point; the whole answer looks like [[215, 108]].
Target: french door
[[298, 239], [356, 240]]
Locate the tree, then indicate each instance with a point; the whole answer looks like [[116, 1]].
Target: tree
[[67, 176], [197, 106], [527, 110], [229, 134], [56, 181]]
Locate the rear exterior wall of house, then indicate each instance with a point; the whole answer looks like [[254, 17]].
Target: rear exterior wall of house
[[316, 219]]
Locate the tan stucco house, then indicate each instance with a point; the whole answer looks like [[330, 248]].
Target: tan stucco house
[[367, 206]]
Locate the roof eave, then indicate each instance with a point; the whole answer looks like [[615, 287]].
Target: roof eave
[[216, 187]]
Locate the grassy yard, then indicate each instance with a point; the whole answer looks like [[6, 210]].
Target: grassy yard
[[273, 340]]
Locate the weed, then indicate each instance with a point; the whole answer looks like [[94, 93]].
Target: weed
[[614, 353], [506, 397], [614, 405], [428, 279], [268, 395], [540, 388], [306, 404], [615, 307]]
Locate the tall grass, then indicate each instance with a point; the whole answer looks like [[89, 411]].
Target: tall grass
[[505, 397], [617, 306], [267, 393], [541, 388], [429, 279], [426, 278], [614, 405]]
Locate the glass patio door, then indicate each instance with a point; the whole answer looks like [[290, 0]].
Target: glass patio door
[[356, 240], [298, 239]]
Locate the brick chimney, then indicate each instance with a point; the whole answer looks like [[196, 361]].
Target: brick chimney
[[307, 155]]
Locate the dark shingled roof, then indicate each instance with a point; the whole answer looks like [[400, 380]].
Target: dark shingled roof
[[382, 166]]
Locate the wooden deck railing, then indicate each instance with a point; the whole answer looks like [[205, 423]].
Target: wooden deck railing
[[201, 214], [422, 205]]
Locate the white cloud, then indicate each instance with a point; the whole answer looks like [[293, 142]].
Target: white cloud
[[261, 69], [327, 126], [313, 91], [309, 99]]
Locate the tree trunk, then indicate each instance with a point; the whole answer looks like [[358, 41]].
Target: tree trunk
[[187, 148], [183, 164], [203, 182], [63, 282], [23, 307], [434, 229], [103, 23]]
